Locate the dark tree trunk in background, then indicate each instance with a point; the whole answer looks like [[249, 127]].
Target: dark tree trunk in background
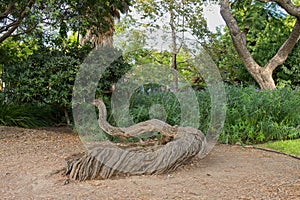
[[174, 47]]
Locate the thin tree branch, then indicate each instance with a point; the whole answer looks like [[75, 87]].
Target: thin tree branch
[[7, 11], [17, 23], [8, 33], [28, 30], [6, 27], [288, 6]]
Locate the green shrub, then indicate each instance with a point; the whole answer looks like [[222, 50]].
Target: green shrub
[[255, 116], [140, 105]]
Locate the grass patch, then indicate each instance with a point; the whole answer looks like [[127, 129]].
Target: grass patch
[[29, 116], [288, 146]]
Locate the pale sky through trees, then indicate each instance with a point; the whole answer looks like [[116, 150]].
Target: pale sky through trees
[[213, 16], [158, 40], [211, 13]]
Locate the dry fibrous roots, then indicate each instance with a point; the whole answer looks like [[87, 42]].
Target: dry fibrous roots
[[106, 159]]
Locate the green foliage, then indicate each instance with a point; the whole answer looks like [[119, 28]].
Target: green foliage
[[45, 76], [265, 26], [13, 51], [112, 74], [93, 15], [290, 70], [46, 73], [174, 21], [226, 58], [140, 105], [26, 17], [296, 2], [29, 116], [165, 106], [187, 15], [255, 116], [136, 52]]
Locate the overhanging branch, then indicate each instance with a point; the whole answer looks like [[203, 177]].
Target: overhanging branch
[[14, 25], [288, 6]]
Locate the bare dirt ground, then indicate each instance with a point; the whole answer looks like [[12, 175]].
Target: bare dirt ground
[[27, 158]]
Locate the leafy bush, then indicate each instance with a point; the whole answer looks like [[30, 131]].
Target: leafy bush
[[255, 116]]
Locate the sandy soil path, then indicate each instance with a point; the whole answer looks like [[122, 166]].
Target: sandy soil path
[[27, 157]]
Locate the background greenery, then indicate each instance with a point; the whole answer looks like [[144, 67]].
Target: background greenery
[[253, 116]]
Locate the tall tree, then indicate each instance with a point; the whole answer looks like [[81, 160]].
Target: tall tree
[[262, 75], [20, 17], [100, 30]]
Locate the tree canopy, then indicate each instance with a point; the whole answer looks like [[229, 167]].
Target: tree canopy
[[22, 17]]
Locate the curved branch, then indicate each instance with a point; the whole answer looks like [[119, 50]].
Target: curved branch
[[288, 6], [134, 130], [7, 11], [9, 32], [17, 23]]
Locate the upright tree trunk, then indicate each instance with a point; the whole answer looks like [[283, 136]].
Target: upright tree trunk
[[174, 47], [65, 109], [262, 75], [265, 79]]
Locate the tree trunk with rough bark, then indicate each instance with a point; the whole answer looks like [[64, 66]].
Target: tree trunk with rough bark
[[262, 75], [105, 159]]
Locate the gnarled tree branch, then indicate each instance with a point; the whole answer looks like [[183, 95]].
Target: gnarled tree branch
[[262, 75], [239, 39], [107, 160], [7, 11]]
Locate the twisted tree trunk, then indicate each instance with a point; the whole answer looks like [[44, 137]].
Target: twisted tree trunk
[[107, 159]]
